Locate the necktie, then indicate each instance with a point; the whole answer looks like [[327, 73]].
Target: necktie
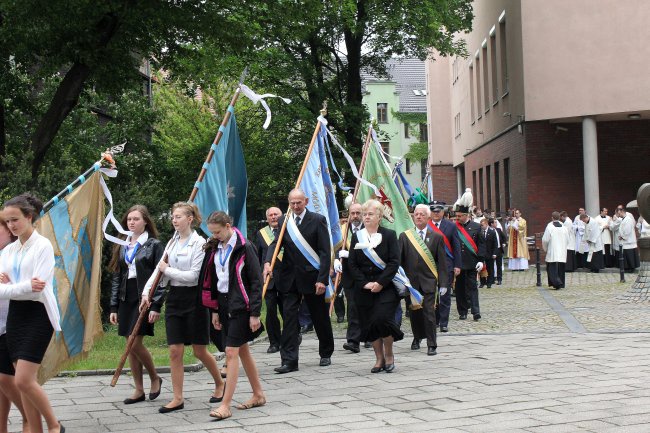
[[297, 220], [438, 225], [422, 234], [485, 233]]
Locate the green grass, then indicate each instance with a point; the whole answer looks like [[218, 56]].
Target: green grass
[[107, 351]]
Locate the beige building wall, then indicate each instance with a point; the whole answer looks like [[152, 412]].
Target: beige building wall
[[585, 57], [438, 105]]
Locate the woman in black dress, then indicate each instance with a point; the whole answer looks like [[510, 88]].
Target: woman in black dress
[[231, 273], [132, 266], [373, 262], [26, 278]]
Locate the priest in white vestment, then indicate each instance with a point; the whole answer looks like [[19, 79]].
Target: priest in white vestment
[[571, 248], [627, 237], [581, 246], [606, 234], [555, 242], [595, 243]]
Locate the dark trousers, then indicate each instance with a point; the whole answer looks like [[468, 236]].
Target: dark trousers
[[290, 329], [555, 274], [467, 292], [320, 315], [353, 334], [444, 308], [499, 263], [304, 318], [339, 305], [489, 280], [610, 259], [273, 328], [581, 260], [423, 320]]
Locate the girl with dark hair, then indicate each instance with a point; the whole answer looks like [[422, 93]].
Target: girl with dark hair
[[8, 391], [231, 274], [26, 277], [132, 266], [187, 321]]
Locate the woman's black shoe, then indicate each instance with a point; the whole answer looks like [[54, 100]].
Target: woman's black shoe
[[389, 367], [154, 395], [61, 428], [165, 409], [378, 369], [214, 399], [134, 400]]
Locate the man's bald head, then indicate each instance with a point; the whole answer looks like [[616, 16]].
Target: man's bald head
[[272, 216]]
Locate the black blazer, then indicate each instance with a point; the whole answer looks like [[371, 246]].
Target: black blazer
[[503, 240], [146, 259], [487, 245], [347, 282], [261, 249], [449, 229], [364, 271], [469, 258], [295, 267], [416, 268]]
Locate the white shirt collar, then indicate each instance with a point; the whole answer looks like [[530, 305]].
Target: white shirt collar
[[302, 215], [232, 241], [144, 237]]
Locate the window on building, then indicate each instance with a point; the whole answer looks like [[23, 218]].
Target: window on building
[[503, 52], [423, 168], [406, 130], [471, 94], [493, 65], [488, 187], [486, 78], [385, 146], [480, 188], [408, 166], [382, 112], [506, 181], [457, 125], [479, 92], [497, 188], [424, 136]]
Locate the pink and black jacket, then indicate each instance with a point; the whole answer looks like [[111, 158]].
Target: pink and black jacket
[[245, 274]]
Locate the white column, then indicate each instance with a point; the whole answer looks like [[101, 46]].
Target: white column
[[590, 161]]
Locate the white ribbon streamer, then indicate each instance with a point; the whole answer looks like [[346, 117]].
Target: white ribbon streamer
[[110, 216], [255, 98], [348, 158], [373, 134]]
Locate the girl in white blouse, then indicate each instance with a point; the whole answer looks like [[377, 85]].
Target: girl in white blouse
[[26, 277], [187, 321]]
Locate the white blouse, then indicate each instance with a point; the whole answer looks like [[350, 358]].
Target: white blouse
[[222, 269], [185, 260], [34, 259], [128, 251]]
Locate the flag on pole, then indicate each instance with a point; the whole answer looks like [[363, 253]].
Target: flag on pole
[[74, 227], [403, 186], [317, 185], [225, 184]]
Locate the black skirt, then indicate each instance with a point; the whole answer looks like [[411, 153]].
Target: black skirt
[[570, 265], [127, 312], [6, 366], [236, 325], [187, 321], [632, 260], [377, 320], [29, 331]]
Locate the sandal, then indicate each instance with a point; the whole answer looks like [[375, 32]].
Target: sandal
[[218, 415], [252, 403]]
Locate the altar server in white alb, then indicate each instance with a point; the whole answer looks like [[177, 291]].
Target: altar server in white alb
[[594, 242], [581, 246], [603, 221], [555, 242], [627, 237], [570, 265]]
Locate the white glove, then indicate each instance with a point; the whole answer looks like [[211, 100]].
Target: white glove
[[338, 267], [479, 267], [343, 254], [443, 291]]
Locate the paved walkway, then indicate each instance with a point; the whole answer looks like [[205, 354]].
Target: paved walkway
[[540, 360]]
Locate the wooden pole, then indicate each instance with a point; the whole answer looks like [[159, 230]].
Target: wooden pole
[[156, 281], [362, 165], [288, 214]]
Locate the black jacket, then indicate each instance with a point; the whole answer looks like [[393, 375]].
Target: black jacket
[[295, 267], [146, 259], [487, 245], [364, 271], [503, 240], [261, 249], [470, 259], [347, 282], [243, 262]]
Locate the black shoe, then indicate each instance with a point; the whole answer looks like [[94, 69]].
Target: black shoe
[[415, 345], [165, 409], [444, 329], [154, 395], [489, 286], [299, 339], [351, 346], [388, 368], [214, 399], [134, 400], [498, 283], [462, 317], [431, 351], [306, 329], [61, 428], [324, 362], [340, 319], [285, 368], [481, 286], [367, 344], [477, 317], [273, 348], [378, 369]]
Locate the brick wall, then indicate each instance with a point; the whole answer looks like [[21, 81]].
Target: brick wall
[[444, 182]]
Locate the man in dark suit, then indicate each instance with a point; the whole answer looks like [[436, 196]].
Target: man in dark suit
[[447, 229], [298, 278], [502, 241], [421, 276], [263, 239], [353, 333], [487, 251], [466, 287]]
